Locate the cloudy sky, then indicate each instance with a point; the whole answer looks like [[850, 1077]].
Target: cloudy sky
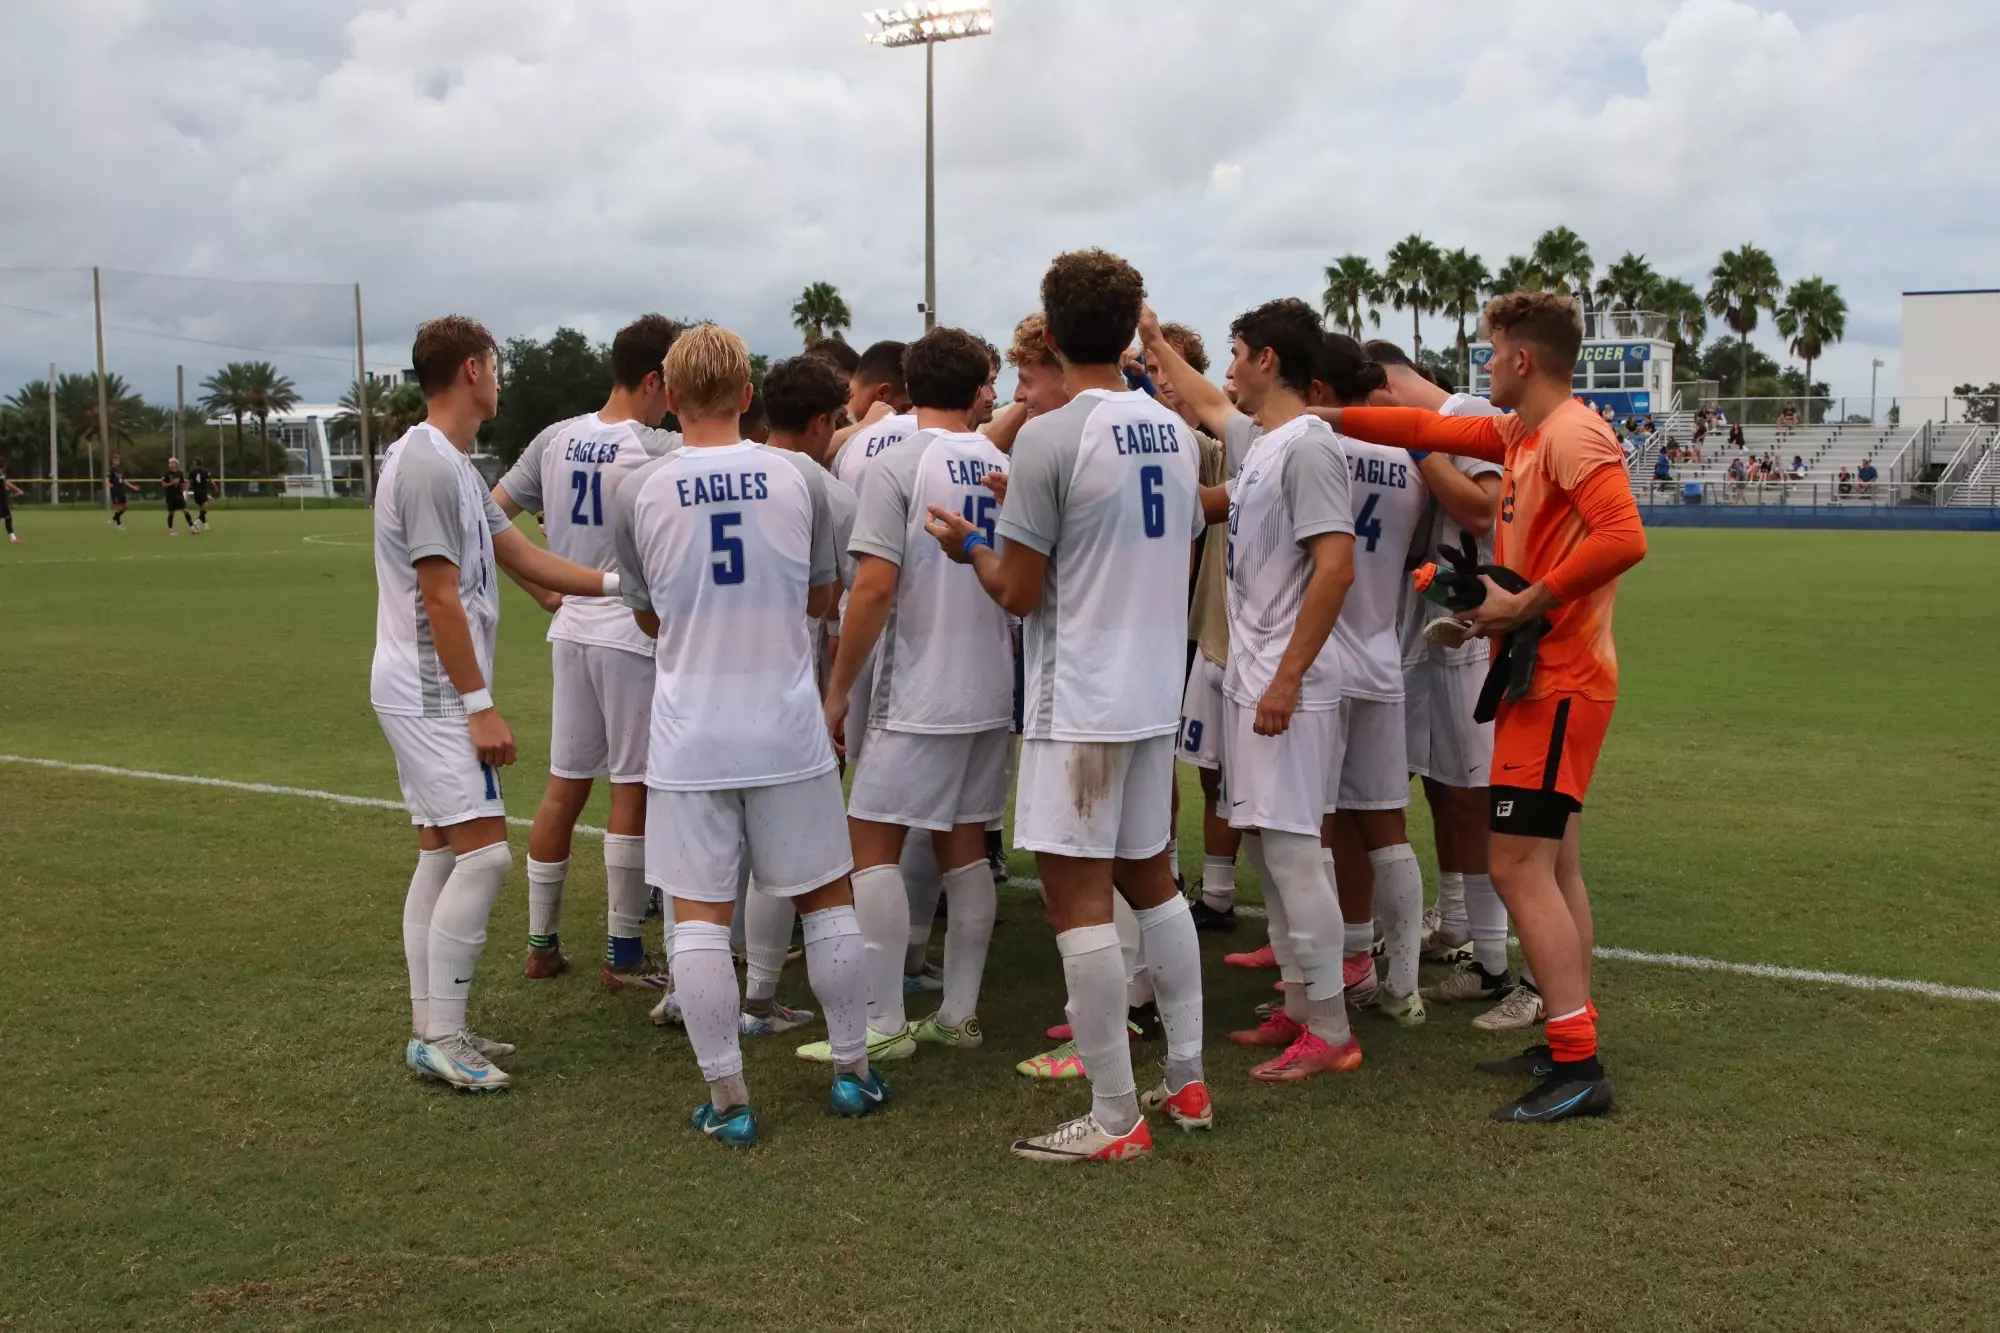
[[547, 162]]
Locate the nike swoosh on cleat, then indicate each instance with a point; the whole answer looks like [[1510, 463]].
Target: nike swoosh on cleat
[[1520, 1114]]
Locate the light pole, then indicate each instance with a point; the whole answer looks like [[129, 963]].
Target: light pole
[[1874, 368], [926, 25]]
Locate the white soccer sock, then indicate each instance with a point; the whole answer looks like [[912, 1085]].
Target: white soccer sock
[[1218, 882], [1290, 976], [837, 967], [666, 924], [545, 895], [1312, 919], [1131, 952], [1399, 906], [433, 869], [1095, 976], [1173, 959], [1326, 868], [967, 935], [458, 933], [767, 938], [705, 983], [923, 886], [624, 885], [1451, 901], [884, 913], [741, 914], [1486, 918], [1174, 856]]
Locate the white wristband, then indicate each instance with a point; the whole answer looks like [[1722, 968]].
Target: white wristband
[[611, 583], [476, 702]]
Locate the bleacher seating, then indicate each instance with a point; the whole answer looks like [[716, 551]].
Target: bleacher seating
[[1826, 448], [1981, 487]]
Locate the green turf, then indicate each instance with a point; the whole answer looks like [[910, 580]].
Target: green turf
[[207, 1125]]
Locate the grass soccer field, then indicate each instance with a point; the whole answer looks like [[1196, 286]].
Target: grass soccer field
[[207, 1122]]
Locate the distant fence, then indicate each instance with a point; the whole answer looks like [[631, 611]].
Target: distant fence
[[239, 492], [1810, 504]]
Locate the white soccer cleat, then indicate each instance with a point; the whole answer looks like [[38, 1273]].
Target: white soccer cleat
[[1448, 633], [492, 1050], [1468, 981], [1522, 1008], [1084, 1140], [458, 1061], [668, 1010]]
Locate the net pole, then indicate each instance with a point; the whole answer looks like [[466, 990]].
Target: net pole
[[55, 470], [361, 404], [103, 404], [180, 405]]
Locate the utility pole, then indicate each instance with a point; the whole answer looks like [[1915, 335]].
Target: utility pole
[[55, 466], [180, 405], [930, 186], [361, 403], [103, 404]]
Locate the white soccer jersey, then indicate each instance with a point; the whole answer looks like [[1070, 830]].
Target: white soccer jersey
[[946, 659], [1106, 488], [1293, 486], [1389, 498], [865, 445], [1441, 529], [723, 544], [430, 501], [570, 474]]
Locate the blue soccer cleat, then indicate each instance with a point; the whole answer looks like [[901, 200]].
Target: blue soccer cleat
[[736, 1127], [856, 1095]]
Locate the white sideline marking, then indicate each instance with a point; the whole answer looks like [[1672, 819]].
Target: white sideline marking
[[331, 539], [156, 555], [1686, 962]]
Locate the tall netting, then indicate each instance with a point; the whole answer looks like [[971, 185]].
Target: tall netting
[[253, 381]]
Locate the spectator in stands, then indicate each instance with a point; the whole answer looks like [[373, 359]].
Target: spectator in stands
[[1789, 417], [1701, 425], [1663, 472], [1721, 417], [1738, 474], [1846, 486], [1736, 437], [1607, 413], [1798, 468], [1866, 476]]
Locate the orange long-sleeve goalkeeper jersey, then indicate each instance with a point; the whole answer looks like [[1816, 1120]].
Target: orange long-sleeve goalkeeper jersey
[[1567, 521]]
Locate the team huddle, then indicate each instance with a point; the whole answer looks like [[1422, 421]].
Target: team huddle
[[1126, 568]]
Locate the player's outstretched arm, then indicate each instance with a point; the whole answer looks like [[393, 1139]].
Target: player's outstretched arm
[[1416, 429], [1012, 578], [868, 606], [1326, 593], [437, 583], [521, 557], [506, 502], [1210, 404], [1006, 424], [550, 602]]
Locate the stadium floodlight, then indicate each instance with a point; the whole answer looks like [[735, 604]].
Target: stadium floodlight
[[926, 25]]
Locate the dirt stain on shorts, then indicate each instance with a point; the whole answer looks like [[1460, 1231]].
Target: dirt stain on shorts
[[1089, 771]]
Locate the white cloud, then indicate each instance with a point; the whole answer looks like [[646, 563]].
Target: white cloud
[[536, 162]]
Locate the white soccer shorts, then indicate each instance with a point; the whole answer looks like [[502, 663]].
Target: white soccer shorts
[[793, 835], [1445, 744], [442, 779], [932, 781], [1286, 782], [1096, 799], [1375, 771], [1204, 715], [602, 713]]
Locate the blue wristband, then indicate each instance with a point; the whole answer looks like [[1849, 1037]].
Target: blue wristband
[[972, 539], [1419, 455]]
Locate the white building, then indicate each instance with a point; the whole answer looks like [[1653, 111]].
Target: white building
[[1627, 361], [1949, 338]]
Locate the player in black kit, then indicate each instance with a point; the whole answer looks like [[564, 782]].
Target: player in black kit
[[173, 488], [200, 487], [115, 481]]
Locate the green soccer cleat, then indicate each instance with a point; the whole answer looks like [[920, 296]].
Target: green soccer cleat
[[965, 1037], [895, 1046]]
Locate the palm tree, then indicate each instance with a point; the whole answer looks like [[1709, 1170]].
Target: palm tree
[[1518, 274], [1687, 318], [227, 395], [1409, 281], [1353, 287], [267, 394], [1564, 262], [76, 408], [392, 410], [1628, 284], [1812, 315], [1461, 280], [820, 311], [1742, 282]]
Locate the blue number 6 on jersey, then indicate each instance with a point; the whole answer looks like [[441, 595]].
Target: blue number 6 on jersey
[[1152, 504], [727, 563]]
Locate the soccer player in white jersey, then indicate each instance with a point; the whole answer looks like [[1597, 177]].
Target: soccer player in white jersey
[[438, 540], [1451, 752], [1100, 506], [803, 398], [1292, 548], [877, 383], [940, 722], [1377, 874], [602, 665], [727, 548]]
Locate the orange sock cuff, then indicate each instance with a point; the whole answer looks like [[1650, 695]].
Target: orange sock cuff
[[1573, 1037]]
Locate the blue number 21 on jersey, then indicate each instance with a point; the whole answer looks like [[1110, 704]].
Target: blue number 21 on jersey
[[588, 486]]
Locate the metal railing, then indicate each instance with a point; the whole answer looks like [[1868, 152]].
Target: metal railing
[[1815, 494]]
